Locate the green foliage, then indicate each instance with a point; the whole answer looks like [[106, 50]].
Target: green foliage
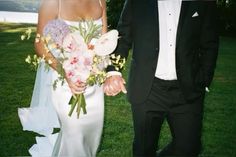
[[17, 80], [227, 17], [88, 30], [114, 8]]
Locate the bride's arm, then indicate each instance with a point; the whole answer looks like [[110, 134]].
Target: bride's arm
[[104, 16], [49, 11]]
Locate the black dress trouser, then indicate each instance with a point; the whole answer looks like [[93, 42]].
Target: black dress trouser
[[166, 101]]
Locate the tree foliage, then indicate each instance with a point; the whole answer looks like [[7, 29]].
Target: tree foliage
[[114, 8], [227, 17]]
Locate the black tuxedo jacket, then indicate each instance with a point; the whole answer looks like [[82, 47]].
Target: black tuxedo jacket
[[196, 46]]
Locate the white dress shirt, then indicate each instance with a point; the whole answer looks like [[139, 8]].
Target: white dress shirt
[[169, 12]]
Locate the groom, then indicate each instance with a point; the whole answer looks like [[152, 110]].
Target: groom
[[175, 46]]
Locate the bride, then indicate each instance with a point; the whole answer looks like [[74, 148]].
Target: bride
[[49, 108]]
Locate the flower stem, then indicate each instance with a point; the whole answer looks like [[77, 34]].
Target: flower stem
[[78, 105], [73, 101], [83, 104], [79, 101]]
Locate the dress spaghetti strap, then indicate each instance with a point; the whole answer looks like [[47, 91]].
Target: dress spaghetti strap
[[100, 3]]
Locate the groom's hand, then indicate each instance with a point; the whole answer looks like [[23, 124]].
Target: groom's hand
[[114, 85]]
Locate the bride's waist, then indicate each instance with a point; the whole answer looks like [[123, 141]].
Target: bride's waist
[[54, 76], [89, 89]]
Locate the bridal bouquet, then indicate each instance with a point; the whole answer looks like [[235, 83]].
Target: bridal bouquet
[[83, 54]]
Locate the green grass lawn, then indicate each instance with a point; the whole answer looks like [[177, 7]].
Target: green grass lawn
[[16, 85]]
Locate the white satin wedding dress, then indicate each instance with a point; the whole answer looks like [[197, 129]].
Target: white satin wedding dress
[[49, 109]]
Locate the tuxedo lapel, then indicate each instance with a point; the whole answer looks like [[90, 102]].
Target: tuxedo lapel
[[183, 14], [157, 23], [154, 6], [152, 2]]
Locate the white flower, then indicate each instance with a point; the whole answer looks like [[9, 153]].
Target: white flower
[[23, 37], [106, 44], [28, 59]]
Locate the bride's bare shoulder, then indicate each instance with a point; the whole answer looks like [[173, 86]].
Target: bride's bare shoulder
[[49, 7]]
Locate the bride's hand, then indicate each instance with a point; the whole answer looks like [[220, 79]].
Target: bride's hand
[[76, 88]]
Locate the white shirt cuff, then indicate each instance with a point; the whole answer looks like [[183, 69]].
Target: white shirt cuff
[[113, 73]]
